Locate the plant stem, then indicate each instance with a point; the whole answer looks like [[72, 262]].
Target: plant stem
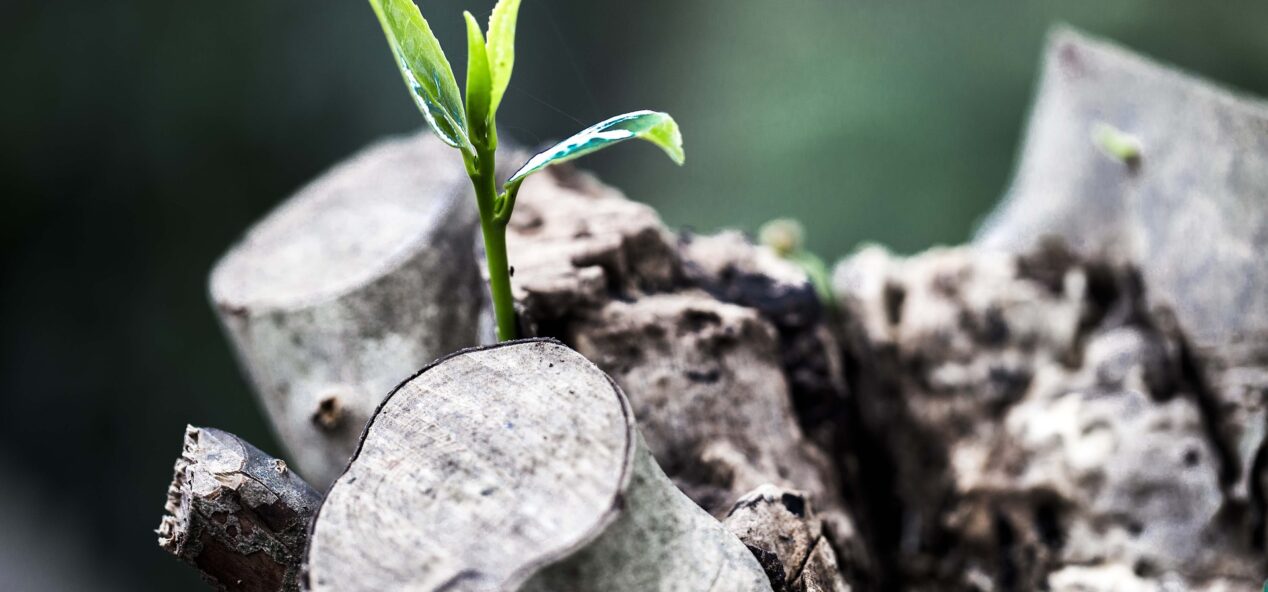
[[483, 178]]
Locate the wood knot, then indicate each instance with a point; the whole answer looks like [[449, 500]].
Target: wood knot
[[329, 415]]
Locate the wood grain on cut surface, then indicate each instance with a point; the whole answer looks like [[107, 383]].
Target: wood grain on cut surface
[[358, 280], [475, 473]]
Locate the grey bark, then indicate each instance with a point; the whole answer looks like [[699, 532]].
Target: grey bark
[[1016, 416], [495, 463], [704, 377], [358, 280], [717, 342], [1191, 212], [1042, 428], [236, 514], [781, 529]]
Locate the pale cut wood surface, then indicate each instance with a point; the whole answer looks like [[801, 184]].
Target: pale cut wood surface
[[358, 280], [1191, 212], [477, 472], [662, 542], [236, 514], [516, 465]]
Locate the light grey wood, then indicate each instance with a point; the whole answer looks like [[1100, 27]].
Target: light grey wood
[[1191, 212], [358, 280], [1034, 410], [662, 542], [236, 514], [496, 462]]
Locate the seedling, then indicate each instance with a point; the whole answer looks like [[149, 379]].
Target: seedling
[[786, 238], [1117, 144], [471, 126]]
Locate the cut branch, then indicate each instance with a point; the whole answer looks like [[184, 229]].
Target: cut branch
[[494, 463], [358, 280], [237, 514]]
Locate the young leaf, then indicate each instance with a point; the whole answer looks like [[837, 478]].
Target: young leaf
[[478, 81], [653, 126], [501, 46], [1116, 143], [426, 71]]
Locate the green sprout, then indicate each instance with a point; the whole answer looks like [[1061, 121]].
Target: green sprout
[[786, 238], [1116, 143], [471, 128]]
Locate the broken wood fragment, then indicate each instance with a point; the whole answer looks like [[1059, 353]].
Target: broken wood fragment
[[717, 342], [781, 529], [661, 541], [237, 514], [705, 382], [1034, 418], [1190, 214], [494, 463], [361, 278], [705, 378]]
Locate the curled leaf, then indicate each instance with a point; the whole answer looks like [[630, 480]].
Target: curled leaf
[[425, 69], [653, 126]]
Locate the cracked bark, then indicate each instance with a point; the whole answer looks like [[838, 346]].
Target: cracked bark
[[1190, 214], [694, 330], [781, 529], [1039, 421], [236, 514], [1032, 418]]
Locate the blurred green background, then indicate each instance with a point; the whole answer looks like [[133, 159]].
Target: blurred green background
[[141, 137]]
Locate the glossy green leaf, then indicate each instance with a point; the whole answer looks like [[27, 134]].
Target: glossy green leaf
[[478, 81], [501, 48], [653, 126], [425, 69]]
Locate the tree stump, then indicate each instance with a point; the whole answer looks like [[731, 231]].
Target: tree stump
[[1190, 211], [1036, 420], [357, 281], [491, 465], [1013, 415]]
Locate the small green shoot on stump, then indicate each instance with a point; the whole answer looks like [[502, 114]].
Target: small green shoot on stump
[[786, 238], [471, 127], [1117, 144]]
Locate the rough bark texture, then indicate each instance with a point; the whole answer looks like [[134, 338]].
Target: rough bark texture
[[1191, 212], [704, 376], [1018, 415], [358, 280], [697, 331], [780, 527], [1040, 425], [237, 514], [494, 463]]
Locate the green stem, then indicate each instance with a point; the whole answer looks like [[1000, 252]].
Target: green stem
[[483, 178]]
